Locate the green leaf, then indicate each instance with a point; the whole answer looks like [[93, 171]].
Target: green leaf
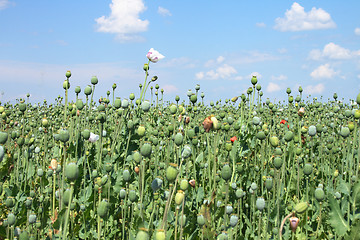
[[355, 196], [354, 233], [200, 158], [200, 194], [336, 218], [344, 187]]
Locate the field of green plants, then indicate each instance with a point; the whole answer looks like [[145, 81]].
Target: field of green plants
[[131, 168]]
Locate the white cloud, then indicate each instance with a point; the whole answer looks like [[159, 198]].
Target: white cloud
[[164, 12], [296, 19], [281, 77], [357, 31], [222, 72], [314, 89], [282, 50], [323, 71], [273, 87], [124, 20], [332, 51], [4, 4], [220, 59], [261, 25], [170, 88], [358, 76], [258, 75], [200, 75]]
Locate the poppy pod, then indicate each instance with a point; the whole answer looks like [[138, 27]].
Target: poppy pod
[[192, 183], [294, 221], [54, 164], [207, 123]]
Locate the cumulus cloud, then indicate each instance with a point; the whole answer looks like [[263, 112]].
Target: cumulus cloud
[[281, 77], [124, 20], [4, 4], [214, 62], [222, 72], [332, 51], [314, 89], [164, 12], [261, 25], [168, 88], [296, 19], [357, 31], [273, 87], [323, 71]]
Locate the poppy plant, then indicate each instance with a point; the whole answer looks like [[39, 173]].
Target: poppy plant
[[233, 139]]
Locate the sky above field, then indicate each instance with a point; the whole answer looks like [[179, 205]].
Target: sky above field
[[217, 44]]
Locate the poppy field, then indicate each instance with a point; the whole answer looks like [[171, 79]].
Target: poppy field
[[139, 167]]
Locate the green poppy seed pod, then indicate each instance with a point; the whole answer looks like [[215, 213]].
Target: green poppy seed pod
[[260, 135], [145, 106], [103, 209], [200, 220], [40, 172], [28, 202], [223, 236], [289, 135], [66, 84], [193, 98], [108, 167], [10, 202], [32, 218], [226, 172], [184, 184], [300, 89], [44, 122], [301, 207], [260, 203], [319, 194], [234, 220], [11, 219], [22, 107], [125, 103], [229, 209], [182, 220], [94, 80], [288, 91], [72, 171], [68, 74], [254, 80], [337, 195], [179, 197], [312, 130], [157, 86], [156, 184], [344, 132], [307, 169], [79, 104], [126, 175], [146, 149], [171, 172], [77, 89], [290, 99], [258, 87], [269, 183], [154, 78], [3, 137], [228, 145], [85, 134], [186, 152], [146, 67], [132, 196], [101, 108], [117, 103], [137, 156], [239, 193], [274, 141], [160, 234], [173, 109], [63, 135], [122, 193], [178, 139], [141, 131], [256, 121], [88, 90], [114, 86], [66, 197]]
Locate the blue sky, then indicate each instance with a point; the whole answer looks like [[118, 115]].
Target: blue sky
[[217, 44]]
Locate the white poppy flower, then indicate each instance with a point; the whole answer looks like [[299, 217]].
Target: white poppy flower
[[93, 137], [154, 55]]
